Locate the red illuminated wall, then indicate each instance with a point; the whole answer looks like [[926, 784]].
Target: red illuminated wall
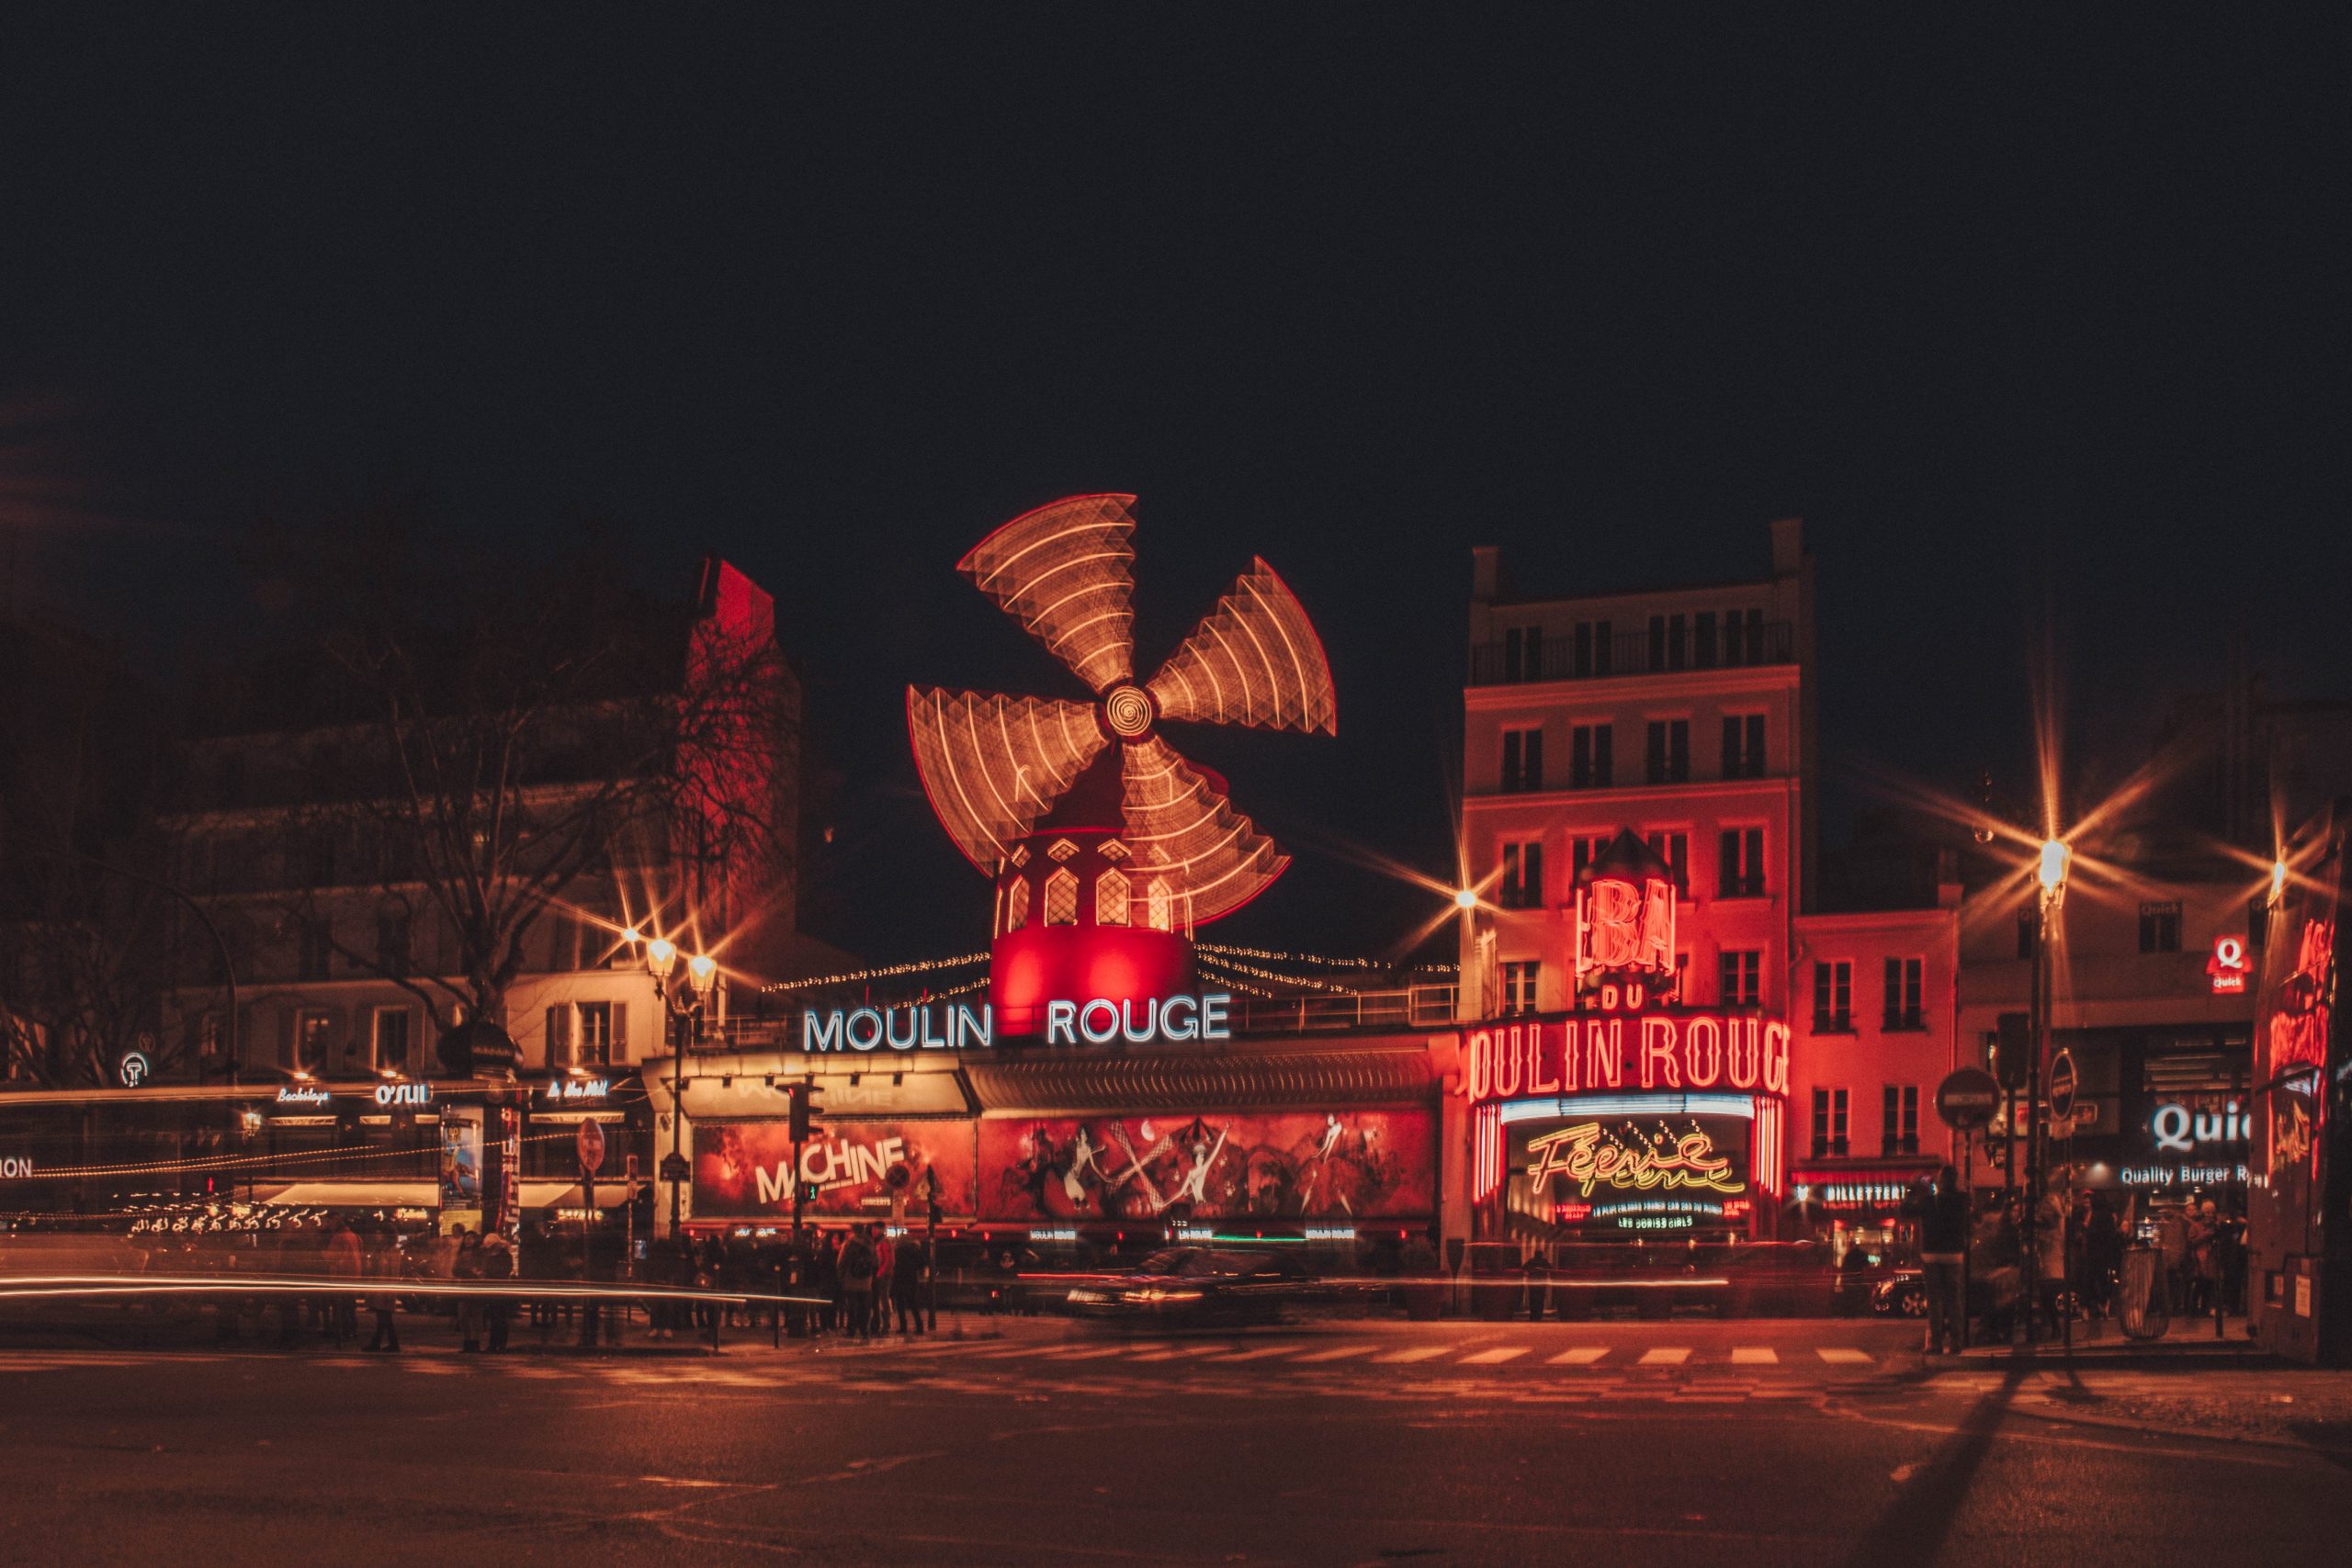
[[846, 1159], [1336, 1166], [1039, 964]]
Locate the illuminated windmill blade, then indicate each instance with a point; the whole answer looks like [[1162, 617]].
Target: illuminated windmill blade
[[1255, 661], [1184, 833], [992, 765], [1066, 572]]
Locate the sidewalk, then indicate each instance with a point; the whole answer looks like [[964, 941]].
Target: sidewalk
[[2189, 1344]]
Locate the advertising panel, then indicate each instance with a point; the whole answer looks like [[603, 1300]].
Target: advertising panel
[[1340, 1164], [460, 1167], [1627, 1174], [743, 1169]]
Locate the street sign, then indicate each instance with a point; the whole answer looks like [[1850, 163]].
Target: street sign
[[1967, 1099], [674, 1169], [592, 1146], [2063, 1084]]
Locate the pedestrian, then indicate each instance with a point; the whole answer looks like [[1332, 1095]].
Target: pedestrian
[[342, 1265], [886, 1253], [1943, 1245], [2050, 1247], [910, 1269], [2204, 1261], [2172, 1241], [465, 1269], [384, 1263], [829, 1281], [858, 1267], [497, 1263]]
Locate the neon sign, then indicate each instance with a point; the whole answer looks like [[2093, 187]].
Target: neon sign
[[929, 1026], [1625, 927], [1657, 1050], [565, 1091], [404, 1094], [301, 1094], [1590, 1158], [2228, 966], [1101, 1020], [15, 1168]]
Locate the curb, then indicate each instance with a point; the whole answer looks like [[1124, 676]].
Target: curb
[[2170, 1429]]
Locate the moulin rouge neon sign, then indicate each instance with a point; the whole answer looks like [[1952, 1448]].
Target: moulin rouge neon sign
[[1582, 1153], [1584, 1054]]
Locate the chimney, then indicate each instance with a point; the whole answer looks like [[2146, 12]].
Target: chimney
[[1485, 573], [1788, 546]]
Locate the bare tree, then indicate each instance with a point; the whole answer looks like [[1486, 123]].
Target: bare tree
[[513, 740]]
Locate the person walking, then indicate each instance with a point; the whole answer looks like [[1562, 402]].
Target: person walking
[[829, 1281], [342, 1264], [910, 1268], [2172, 1241], [858, 1269], [497, 1263], [1944, 1252], [886, 1254], [465, 1269], [384, 1263]]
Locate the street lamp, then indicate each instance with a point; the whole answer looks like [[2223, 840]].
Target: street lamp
[[683, 1003], [1465, 898], [2049, 871]]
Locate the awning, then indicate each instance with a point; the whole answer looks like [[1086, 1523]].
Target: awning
[[1318, 1079], [610, 1194], [356, 1195]]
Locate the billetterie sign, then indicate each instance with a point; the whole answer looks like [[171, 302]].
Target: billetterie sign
[[940, 1026]]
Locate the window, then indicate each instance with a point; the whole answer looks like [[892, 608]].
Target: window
[[1740, 868], [2160, 928], [1591, 763], [315, 947], [1518, 986], [1743, 975], [1833, 996], [313, 1035], [1113, 850], [1669, 750], [1523, 759], [1523, 653], [1582, 852], [1016, 904], [392, 1039], [1061, 849], [600, 1031], [1523, 883], [1061, 897], [1744, 636], [1674, 849], [392, 936], [1666, 641], [1593, 648], [1703, 640], [1828, 1122], [1159, 907], [1111, 898], [1743, 746], [2029, 933], [1899, 1128], [1902, 994]]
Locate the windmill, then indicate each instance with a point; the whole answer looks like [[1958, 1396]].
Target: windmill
[[1107, 846]]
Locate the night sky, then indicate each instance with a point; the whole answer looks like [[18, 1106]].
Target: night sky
[[2040, 328]]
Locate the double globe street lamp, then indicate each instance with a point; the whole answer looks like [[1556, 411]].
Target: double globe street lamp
[[685, 1003]]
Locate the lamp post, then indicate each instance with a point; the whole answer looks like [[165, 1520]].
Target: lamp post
[[683, 1002], [2050, 871]]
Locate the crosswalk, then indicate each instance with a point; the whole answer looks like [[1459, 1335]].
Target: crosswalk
[[1343, 1354]]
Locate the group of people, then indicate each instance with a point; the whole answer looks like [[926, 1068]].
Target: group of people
[[863, 1278], [2078, 1238]]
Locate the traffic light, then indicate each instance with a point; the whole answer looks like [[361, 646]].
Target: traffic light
[[803, 1111], [2013, 1051]]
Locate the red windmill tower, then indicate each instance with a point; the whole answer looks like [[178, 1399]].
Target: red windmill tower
[[1108, 848]]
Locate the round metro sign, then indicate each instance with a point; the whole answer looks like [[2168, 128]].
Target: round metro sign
[[2064, 1082], [1967, 1099]]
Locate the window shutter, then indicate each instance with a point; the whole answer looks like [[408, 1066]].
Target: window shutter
[[559, 1037], [619, 1051]]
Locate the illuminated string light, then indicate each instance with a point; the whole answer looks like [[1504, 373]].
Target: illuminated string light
[[348, 1154], [1326, 961], [884, 971], [1302, 981]]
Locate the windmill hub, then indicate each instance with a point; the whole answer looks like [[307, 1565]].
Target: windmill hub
[[1127, 710]]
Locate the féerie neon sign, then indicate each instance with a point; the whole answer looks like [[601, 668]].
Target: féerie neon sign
[[1579, 1153]]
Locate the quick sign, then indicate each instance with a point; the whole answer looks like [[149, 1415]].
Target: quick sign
[[2180, 1130], [2228, 966]]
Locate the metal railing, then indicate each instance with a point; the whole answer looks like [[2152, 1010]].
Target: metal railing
[[1629, 653]]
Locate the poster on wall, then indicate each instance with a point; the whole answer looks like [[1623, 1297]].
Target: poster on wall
[[742, 1169], [460, 1167], [1319, 1165]]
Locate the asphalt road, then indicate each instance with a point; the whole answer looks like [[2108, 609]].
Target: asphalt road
[[1745, 1443]]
